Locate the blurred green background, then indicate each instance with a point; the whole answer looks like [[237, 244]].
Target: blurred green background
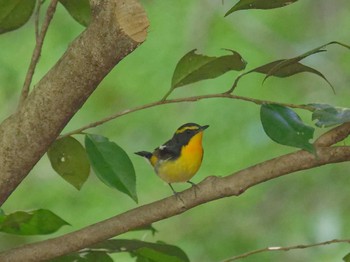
[[300, 208]]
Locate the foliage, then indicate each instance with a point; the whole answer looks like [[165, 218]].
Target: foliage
[[112, 165], [347, 258], [79, 10], [257, 4], [141, 250], [14, 14], [284, 126], [69, 159], [327, 115], [36, 222], [194, 67]]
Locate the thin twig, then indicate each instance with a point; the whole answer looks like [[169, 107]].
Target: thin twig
[[268, 249], [37, 50], [181, 100], [37, 18]]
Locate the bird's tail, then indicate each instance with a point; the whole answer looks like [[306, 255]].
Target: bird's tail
[[145, 154]]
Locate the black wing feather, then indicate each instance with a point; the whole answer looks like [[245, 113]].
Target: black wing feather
[[169, 150]]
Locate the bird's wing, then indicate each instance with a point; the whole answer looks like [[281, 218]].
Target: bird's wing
[[168, 150]]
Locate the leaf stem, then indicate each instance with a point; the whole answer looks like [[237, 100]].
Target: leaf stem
[[235, 83], [167, 94]]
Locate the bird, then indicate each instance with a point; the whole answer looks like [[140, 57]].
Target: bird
[[178, 159]]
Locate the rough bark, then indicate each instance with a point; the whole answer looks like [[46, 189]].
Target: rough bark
[[116, 29]]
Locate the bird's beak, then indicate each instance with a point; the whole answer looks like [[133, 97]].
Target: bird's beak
[[202, 128]]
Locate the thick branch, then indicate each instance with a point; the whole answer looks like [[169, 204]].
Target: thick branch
[[334, 135], [116, 29], [210, 189]]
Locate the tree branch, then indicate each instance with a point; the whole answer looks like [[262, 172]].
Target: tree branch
[[116, 29], [39, 44], [180, 100], [334, 135], [269, 249], [210, 189], [37, 18]]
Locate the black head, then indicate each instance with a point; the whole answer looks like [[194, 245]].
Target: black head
[[184, 133]]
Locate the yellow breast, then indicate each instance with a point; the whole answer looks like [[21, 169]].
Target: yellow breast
[[184, 167]]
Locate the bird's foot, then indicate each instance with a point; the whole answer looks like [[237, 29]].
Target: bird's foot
[[195, 187]]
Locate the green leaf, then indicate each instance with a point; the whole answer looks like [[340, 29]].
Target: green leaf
[[68, 258], [15, 13], [88, 256], [79, 10], [288, 62], [97, 256], [36, 222], [347, 258], [327, 115], [285, 127], [155, 252], [149, 227], [155, 255], [194, 67], [69, 159], [288, 67], [111, 164], [287, 70], [259, 4]]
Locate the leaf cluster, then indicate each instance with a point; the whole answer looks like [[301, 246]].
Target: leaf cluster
[[73, 160], [16, 13]]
